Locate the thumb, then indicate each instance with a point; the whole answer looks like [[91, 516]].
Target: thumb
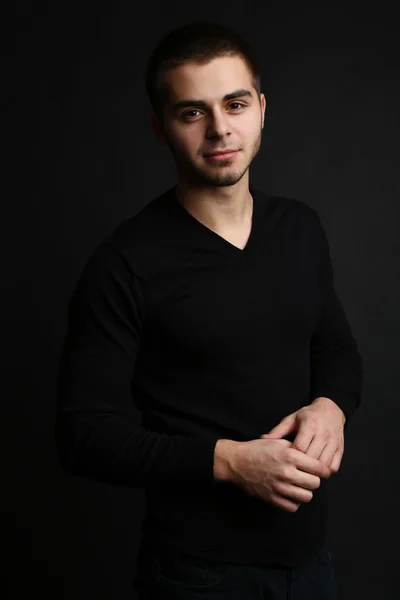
[[286, 426]]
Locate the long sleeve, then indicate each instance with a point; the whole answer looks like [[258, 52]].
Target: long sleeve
[[336, 364], [94, 430]]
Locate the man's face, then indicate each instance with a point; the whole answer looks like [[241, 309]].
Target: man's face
[[199, 120]]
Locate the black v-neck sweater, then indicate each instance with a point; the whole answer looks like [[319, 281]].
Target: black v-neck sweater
[[209, 342]]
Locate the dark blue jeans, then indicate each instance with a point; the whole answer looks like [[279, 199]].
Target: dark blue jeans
[[169, 575]]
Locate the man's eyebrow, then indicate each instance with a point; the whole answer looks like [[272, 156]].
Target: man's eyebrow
[[201, 104]]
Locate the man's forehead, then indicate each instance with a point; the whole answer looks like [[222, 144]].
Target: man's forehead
[[217, 74]]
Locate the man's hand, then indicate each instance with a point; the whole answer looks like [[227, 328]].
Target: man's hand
[[319, 428]]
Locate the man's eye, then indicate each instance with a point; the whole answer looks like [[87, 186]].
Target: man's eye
[[186, 114], [194, 110]]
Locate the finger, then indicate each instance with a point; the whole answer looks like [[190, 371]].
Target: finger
[[304, 436], [328, 453], [318, 447], [283, 442], [311, 465], [294, 492], [337, 460]]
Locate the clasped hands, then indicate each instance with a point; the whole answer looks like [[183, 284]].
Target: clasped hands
[[319, 429]]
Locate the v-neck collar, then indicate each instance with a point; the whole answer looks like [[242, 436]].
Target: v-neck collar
[[210, 233]]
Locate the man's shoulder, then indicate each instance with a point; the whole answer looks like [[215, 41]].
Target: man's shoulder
[[147, 222], [289, 206], [300, 207], [138, 237]]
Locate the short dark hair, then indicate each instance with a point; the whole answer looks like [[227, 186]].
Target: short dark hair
[[199, 42]]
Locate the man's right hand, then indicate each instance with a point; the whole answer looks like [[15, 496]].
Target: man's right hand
[[275, 472]]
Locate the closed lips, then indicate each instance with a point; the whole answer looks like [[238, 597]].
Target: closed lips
[[222, 152]]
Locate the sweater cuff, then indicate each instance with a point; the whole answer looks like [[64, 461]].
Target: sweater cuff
[[196, 460]]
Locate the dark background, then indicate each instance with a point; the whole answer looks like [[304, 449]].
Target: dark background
[[331, 77]]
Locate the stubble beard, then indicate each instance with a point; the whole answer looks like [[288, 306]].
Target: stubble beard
[[216, 176]]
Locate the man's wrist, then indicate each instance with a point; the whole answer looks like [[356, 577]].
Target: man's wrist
[[329, 402], [224, 454]]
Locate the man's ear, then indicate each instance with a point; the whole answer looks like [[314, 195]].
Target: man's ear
[[263, 108]]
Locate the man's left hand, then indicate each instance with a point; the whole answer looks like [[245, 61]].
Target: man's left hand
[[319, 427]]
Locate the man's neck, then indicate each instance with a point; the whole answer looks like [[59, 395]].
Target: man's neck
[[221, 211]]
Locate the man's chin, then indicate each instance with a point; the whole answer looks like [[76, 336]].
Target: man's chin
[[208, 177], [218, 179]]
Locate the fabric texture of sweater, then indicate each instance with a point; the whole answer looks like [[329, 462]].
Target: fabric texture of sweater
[[208, 341]]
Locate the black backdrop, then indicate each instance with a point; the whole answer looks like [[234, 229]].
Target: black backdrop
[[331, 78]]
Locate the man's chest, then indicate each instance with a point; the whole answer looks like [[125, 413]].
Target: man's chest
[[268, 298]]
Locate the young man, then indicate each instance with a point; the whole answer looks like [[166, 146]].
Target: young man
[[213, 310]]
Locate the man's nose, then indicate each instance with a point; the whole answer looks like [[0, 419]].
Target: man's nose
[[218, 125]]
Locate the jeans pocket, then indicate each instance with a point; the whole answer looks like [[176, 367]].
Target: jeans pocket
[[177, 569]]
